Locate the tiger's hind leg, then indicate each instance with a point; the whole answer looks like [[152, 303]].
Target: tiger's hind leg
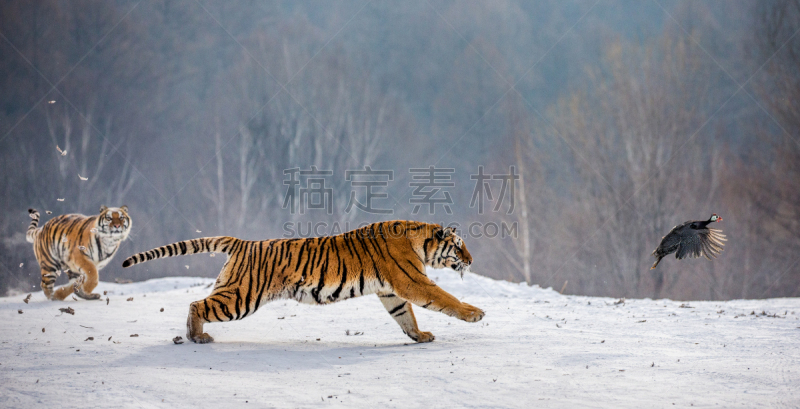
[[78, 284], [194, 323], [65, 290], [401, 311], [48, 281], [220, 306]]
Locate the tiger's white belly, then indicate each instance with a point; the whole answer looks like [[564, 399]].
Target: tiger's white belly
[[328, 294]]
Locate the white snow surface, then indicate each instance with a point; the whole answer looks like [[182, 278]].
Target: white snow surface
[[534, 348]]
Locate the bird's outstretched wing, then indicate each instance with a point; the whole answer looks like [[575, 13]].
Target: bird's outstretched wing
[[713, 243], [707, 243]]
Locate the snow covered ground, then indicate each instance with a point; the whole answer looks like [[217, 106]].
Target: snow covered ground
[[534, 348]]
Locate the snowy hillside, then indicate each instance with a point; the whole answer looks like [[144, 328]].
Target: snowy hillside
[[534, 348]]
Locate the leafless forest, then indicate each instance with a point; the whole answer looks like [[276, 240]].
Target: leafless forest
[[621, 118]]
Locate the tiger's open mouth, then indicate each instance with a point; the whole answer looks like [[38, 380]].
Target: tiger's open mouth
[[460, 267]]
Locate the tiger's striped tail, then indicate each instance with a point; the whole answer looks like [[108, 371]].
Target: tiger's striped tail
[[221, 244], [30, 236]]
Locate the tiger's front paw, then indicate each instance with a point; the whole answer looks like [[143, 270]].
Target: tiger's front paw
[[469, 313], [422, 336], [203, 338]]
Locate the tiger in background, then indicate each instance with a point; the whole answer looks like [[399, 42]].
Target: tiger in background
[[80, 245], [387, 259]]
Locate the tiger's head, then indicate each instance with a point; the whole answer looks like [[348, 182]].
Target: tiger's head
[[447, 249], [114, 221]]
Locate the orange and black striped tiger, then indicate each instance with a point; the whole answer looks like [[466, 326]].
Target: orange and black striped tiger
[[387, 259], [80, 245]]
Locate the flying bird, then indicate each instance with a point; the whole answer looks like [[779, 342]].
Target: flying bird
[[81, 177], [691, 239], [63, 153], [60, 199]]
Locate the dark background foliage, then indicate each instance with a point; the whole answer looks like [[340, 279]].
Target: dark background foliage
[[622, 118]]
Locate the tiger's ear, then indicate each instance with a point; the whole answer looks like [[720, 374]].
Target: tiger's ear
[[124, 208], [446, 232], [103, 209]]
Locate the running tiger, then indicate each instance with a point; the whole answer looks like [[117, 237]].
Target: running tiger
[[387, 259], [80, 245]]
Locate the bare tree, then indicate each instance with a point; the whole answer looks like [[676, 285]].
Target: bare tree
[[634, 146], [214, 187], [775, 194], [250, 158], [86, 158]]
